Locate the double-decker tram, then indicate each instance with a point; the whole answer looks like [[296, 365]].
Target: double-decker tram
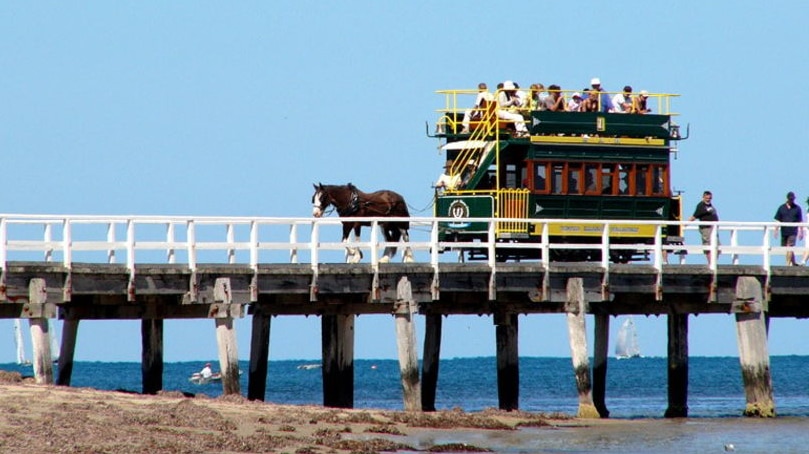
[[571, 165]]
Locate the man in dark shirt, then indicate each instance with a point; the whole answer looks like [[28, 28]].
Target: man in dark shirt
[[789, 212], [705, 212]]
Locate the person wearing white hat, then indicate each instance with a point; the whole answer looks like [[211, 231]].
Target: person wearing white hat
[[639, 103], [605, 100], [574, 105], [507, 98], [447, 180]]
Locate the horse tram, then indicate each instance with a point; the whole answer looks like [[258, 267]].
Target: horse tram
[[556, 165]]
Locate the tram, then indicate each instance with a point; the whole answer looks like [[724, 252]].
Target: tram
[[568, 165]]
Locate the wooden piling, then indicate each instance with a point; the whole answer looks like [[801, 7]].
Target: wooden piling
[[338, 360], [151, 331], [40, 332], [576, 309], [405, 310], [226, 336], [751, 331], [508, 366], [259, 355], [430, 362], [677, 366], [67, 350], [600, 357]]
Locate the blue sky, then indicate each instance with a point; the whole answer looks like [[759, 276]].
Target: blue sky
[[210, 108]]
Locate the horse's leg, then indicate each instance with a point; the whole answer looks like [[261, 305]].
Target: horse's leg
[[353, 254], [407, 255], [390, 235]]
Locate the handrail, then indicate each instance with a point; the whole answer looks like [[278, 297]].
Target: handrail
[[255, 240]]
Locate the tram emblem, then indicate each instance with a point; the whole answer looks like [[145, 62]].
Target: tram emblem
[[458, 209]]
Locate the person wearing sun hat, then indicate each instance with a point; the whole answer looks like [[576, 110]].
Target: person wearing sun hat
[[639, 103]]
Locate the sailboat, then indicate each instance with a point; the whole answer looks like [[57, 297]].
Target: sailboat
[[19, 342], [626, 345]]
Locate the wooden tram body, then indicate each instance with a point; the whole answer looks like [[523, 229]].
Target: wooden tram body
[[572, 165]]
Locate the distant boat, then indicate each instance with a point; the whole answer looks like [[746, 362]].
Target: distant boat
[[626, 345], [19, 343], [309, 366], [197, 378]]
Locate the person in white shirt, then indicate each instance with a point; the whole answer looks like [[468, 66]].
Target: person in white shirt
[[206, 371], [574, 105], [507, 100], [476, 112], [622, 102], [446, 180]]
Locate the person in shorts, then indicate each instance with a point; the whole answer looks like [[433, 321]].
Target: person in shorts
[[789, 212], [706, 212]]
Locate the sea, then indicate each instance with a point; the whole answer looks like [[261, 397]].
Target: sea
[[636, 397]]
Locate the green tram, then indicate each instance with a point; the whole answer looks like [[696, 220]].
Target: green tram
[[571, 165]]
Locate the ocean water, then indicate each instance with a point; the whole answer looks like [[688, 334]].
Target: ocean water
[[636, 391]]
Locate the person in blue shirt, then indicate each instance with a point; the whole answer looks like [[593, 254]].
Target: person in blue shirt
[[605, 99], [789, 212]]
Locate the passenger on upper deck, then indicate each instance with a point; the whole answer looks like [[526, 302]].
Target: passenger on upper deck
[[507, 98], [447, 181], [639, 103], [537, 98], [595, 89], [574, 105], [589, 101], [476, 112], [555, 102], [622, 102]]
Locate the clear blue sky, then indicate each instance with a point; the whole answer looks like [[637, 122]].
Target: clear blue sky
[[211, 108]]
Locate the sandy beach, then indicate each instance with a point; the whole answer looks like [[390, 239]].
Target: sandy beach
[[44, 418]]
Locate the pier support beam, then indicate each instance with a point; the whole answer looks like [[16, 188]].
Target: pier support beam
[[70, 329], [40, 331], [152, 355], [751, 331], [226, 336], [404, 312], [508, 366], [259, 355], [677, 366], [576, 308], [600, 356], [338, 360], [432, 353]]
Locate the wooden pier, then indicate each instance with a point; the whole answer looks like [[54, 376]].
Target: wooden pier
[[338, 292]]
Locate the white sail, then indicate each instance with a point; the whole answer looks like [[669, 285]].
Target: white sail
[[19, 342], [626, 345]]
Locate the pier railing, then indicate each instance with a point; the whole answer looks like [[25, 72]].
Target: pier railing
[[254, 240]]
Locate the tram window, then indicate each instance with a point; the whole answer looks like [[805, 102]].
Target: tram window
[[556, 182], [540, 177], [574, 179], [658, 182], [623, 179], [607, 173], [591, 178], [641, 176], [511, 176]]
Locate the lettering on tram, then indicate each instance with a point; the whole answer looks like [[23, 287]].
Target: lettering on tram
[[585, 161]]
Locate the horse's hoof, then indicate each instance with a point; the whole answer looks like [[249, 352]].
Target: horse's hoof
[[408, 259], [384, 259]]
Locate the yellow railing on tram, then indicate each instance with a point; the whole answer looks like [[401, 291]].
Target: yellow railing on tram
[[512, 203]]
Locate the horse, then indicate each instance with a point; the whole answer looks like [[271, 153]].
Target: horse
[[351, 202]]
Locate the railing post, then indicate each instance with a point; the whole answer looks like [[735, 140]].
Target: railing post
[[48, 239], [130, 258], [170, 255], [734, 243], [111, 240], [67, 242], [191, 244], [435, 291], [375, 244], [230, 238], [314, 245], [293, 239], [3, 244], [491, 243], [254, 245]]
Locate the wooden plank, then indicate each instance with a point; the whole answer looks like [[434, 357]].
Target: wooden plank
[[406, 346], [40, 333], [751, 331], [228, 355], [576, 309]]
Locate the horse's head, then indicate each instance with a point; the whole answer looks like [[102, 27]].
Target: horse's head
[[320, 200]]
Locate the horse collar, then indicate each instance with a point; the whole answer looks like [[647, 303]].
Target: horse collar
[[353, 204]]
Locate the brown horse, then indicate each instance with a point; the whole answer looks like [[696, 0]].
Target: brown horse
[[351, 202]]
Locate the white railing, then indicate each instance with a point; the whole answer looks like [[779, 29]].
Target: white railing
[[257, 240]]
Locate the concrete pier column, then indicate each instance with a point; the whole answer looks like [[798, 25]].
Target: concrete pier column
[[70, 329], [600, 357], [576, 309], [677, 366], [259, 355], [508, 366], [152, 355], [751, 331], [40, 331], [404, 312], [429, 364], [338, 360]]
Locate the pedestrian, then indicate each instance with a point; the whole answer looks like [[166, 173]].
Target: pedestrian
[[789, 212], [706, 212]]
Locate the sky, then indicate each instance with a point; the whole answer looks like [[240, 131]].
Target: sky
[[236, 108]]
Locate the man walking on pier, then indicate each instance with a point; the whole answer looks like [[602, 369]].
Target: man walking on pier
[[705, 212], [789, 212]]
